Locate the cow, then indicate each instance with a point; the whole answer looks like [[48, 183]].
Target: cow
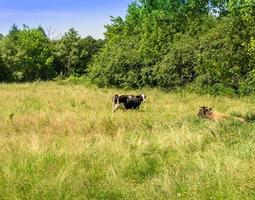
[[127, 102], [207, 113]]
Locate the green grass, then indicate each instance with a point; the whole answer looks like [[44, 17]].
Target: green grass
[[62, 141]]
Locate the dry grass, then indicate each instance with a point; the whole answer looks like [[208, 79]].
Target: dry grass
[[64, 142]]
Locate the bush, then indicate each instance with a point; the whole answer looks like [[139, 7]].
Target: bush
[[247, 86], [73, 80]]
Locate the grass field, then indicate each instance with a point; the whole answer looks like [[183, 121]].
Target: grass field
[[63, 142]]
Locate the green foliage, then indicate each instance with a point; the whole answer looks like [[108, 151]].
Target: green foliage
[[170, 44], [67, 52], [28, 54], [177, 67], [5, 71], [82, 80], [73, 54], [247, 87], [206, 45]]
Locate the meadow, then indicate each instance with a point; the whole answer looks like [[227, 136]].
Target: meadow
[[62, 141]]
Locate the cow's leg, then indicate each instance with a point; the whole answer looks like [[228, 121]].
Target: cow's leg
[[116, 106], [113, 105], [136, 108]]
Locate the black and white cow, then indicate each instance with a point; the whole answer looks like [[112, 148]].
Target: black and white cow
[[127, 101]]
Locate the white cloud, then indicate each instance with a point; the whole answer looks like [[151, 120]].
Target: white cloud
[[14, 13]]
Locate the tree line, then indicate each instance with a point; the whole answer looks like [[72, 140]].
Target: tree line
[[28, 54], [207, 45]]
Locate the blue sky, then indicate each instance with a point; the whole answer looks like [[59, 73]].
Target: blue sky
[[88, 17]]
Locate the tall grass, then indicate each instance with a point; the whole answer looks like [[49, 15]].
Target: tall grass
[[64, 142]]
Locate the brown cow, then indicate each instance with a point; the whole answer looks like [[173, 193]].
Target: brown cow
[[207, 113]]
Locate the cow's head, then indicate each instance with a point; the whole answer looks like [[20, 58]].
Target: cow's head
[[204, 112], [143, 97]]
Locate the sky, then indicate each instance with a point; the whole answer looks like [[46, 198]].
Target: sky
[[88, 17]]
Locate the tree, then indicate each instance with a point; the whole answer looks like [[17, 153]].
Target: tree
[[5, 71], [8, 60], [139, 45], [174, 43], [87, 47], [67, 53], [27, 53]]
